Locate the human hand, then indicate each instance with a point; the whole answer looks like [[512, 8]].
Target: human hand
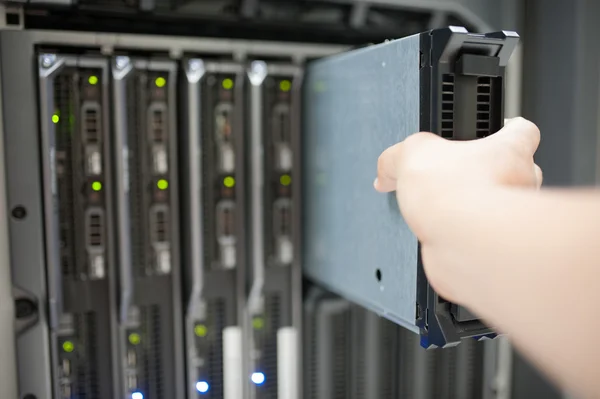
[[431, 175], [424, 168]]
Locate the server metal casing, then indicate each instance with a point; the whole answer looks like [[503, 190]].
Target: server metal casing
[[356, 105]]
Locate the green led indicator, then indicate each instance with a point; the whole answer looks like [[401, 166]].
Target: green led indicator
[[93, 80], [68, 346], [55, 118], [96, 186], [258, 323], [160, 82], [285, 180], [200, 330], [227, 84], [229, 181], [162, 184], [285, 85], [134, 338]]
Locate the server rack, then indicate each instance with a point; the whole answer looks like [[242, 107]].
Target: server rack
[[23, 191]]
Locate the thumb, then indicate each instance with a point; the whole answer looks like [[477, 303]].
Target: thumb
[[519, 132]]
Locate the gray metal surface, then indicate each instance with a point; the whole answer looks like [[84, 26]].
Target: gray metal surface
[[8, 365], [24, 188], [356, 105]]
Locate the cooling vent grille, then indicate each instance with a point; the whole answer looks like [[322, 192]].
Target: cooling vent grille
[[158, 128], [137, 196], [341, 359], [359, 348], [388, 347], [447, 130], [216, 314], [86, 385], [273, 306], [484, 106], [91, 123], [151, 351]]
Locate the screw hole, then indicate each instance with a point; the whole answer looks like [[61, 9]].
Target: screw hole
[[378, 275], [19, 212]]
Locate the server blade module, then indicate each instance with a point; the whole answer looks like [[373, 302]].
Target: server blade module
[[275, 276], [75, 147], [214, 241], [150, 321], [447, 81]]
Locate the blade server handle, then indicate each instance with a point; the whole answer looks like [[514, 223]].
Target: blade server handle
[[256, 75], [194, 72], [121, 70], [49, 65], [232, 363], [287, 363]]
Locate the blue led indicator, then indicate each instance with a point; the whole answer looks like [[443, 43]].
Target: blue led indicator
[[137, 395], [202, 386], [258, 378]]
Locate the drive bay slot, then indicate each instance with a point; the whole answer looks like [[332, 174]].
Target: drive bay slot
[[223, 130], [226, 233], [95, 242], [90, 132], [157, 134], [159, 236], [281, 136], [282, 235]]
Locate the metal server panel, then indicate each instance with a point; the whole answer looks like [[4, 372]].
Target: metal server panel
[[74, 119], [151, 364], [275, 275], [214, 250], [447, 81]]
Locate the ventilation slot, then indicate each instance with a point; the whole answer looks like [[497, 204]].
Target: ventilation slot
[[156, 352], [389, 355], [159, 220], [216, 314], [157, 124], [340, 356], [447, 128], [137, 198], [445, 373], [95, 228], [86, 385], [312, 373], [484, 103], [359, 351], [90, 116], [152, 355], [273, 306]]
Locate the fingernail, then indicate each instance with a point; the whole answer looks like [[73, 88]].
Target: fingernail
[[376, 182]]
